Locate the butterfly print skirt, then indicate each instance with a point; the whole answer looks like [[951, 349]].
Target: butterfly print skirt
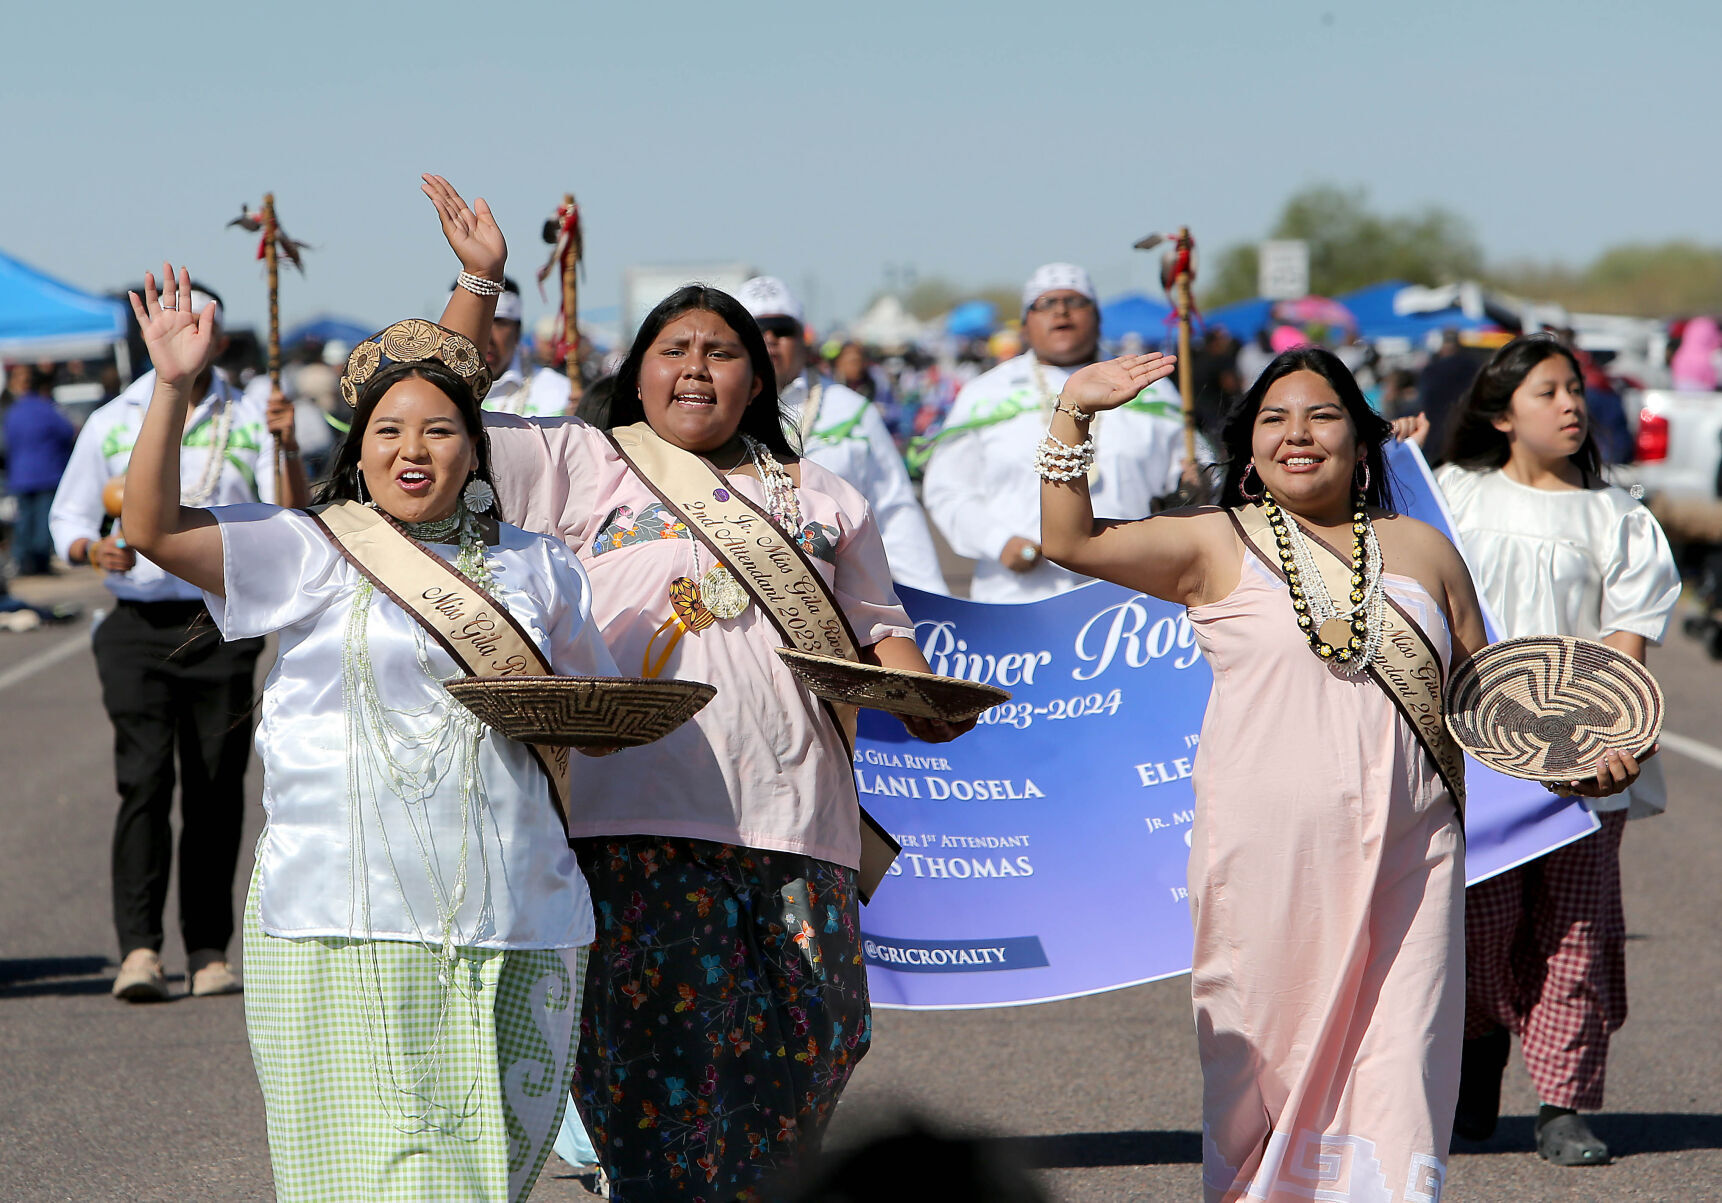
[[725, 1008]]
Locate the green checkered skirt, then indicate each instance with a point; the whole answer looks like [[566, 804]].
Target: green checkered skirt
[[380, 1084]]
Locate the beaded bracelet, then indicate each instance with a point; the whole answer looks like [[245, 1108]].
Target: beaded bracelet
[[478, 286], [1058, 461]]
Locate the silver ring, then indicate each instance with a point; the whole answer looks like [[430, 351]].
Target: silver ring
[[170, 306]]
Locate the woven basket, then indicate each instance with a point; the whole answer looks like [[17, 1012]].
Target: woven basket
[[1548, 708], [582, 712], [925, 695]]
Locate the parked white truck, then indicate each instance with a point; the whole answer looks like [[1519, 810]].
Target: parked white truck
[[1678, 469]]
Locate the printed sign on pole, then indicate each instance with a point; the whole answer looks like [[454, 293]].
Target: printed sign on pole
[[1282, 270]]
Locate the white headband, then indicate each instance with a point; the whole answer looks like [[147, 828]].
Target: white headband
[[1057, 277], [508, 308], [767, 296]]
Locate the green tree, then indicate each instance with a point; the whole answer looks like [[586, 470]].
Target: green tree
[[931, 297], [1350, 246], [1232, 277], [934, 296], [1665, 279]]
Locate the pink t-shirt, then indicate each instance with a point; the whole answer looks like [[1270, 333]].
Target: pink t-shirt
[[761, 765]]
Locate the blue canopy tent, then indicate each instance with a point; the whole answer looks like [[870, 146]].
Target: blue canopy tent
[[1134, 313], [1244, 319], [972, 319], [42, 318], [1373, 308], [327, 328]]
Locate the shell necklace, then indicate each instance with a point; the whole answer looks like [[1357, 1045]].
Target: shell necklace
[[718, 590], [222, 419], [810, 406], [1348, 637], [717, 595]]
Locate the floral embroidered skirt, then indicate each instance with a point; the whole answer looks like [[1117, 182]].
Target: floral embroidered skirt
[[725, 1008]]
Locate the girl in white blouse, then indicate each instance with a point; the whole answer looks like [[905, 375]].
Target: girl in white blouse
[[415, 937], [1555, 550]]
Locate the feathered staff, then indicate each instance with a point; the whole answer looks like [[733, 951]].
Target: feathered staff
[[273, 243], [567, 255], [1177, 274]]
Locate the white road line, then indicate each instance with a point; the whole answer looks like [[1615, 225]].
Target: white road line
[[71, 645], [1703, 753]]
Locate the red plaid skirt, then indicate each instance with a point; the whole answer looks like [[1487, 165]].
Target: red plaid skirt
[[1545, 956]]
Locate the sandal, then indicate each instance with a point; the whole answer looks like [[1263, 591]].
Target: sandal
[[1567, 1140]]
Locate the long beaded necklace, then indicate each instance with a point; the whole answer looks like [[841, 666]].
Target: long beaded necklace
[[1349, 638], [222, 419], [780, 498], [407, 754], [815, 389], [716, 595]]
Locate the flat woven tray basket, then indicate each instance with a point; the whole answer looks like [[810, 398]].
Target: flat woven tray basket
[[1547, 708], [582, 712], [926, 695]]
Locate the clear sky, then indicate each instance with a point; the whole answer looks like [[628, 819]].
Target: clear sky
[[832, 145]]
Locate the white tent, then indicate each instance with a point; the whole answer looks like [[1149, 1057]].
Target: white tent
[[886, 325]]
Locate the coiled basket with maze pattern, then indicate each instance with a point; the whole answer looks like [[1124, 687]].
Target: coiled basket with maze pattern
[[896, 691], [582, 712], [1548, 708]]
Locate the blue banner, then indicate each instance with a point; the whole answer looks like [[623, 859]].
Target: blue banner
[[1044, 852]]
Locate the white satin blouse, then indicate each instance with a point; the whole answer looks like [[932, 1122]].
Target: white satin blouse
[[380, 869], [1582, 562]]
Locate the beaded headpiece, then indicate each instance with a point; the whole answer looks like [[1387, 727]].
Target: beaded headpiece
[[414, 340]]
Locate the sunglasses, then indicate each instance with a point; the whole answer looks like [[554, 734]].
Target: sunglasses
[[1075, 304], [783, 327]]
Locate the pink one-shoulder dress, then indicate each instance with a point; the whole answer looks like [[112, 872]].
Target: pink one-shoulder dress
[[1327, 891]]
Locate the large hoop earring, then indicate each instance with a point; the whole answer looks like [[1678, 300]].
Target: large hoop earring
[[1362, 487], [1245, 493]]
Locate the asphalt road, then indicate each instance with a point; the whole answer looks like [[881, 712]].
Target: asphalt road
[[104, 1101]]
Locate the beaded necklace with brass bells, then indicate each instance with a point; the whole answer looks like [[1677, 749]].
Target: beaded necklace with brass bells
[[1346, 637]]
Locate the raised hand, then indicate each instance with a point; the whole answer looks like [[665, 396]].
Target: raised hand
[[1414, 429], [1107, 385], [181, 344], [471, 231], [281, 420]]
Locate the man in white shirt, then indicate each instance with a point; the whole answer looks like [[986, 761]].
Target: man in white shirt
[[169, 683], [981, 487], [841, 430], [520, 388]]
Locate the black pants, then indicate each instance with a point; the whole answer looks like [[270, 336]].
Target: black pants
[[170, 684]]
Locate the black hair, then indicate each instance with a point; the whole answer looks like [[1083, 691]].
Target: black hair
[[1473, 441], [763, 417], [594, 407], [1238, 430], [343, 483]]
